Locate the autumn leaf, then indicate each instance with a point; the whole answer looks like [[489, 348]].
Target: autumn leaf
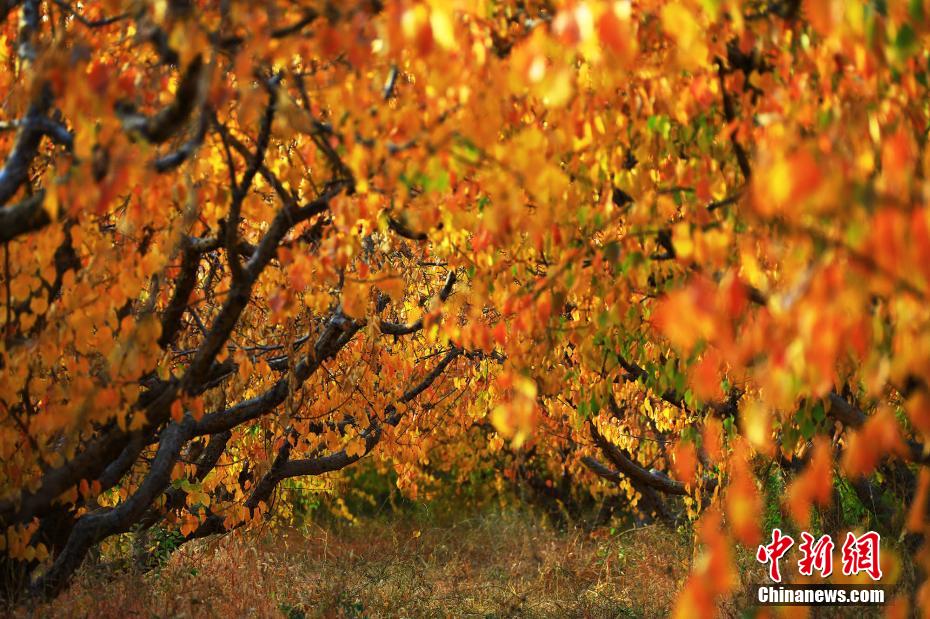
[[713, 438], [356, 447], [880, 436], [682, 26], [615, 32], [516, 417], [699, 227], [706, 376], [393, 286], [355, 299], [743, 499], [685, 462], [814, 485]]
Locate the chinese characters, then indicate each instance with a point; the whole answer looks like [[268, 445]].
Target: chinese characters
[[859, 554]]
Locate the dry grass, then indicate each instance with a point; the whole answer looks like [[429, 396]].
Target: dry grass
[[492, 566]]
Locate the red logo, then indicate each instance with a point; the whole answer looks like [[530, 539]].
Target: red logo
[[773, 552], [817, 555], [859, 554]]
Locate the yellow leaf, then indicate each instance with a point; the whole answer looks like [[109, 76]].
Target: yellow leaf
[[558, 88], [682, 241], [679, 23], [756, 425], [51, 202], [355, 299], [515, 419], [440, 20]]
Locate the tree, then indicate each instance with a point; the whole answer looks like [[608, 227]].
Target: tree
[[659, 245]]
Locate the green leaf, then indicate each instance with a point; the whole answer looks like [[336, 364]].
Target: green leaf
[[807, 427], [818, 413], [594, 405], [906, 40], [584, 409], [611, 252]]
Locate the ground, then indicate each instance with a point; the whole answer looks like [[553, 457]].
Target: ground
[[416, 562], [491, 565]]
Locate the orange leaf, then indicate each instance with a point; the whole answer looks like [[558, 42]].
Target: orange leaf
[[355, 299], [616, 35], [713, 438], [706, 376], [879, 437], [393, 286], [918, 411], [743, 501], [684, 462], [177, 410], [500, 333], [814, 485]]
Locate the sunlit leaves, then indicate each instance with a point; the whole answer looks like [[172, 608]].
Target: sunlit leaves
[[823, 15], [515, 417], [743, 500], [355, 298], [699, 312], [615, 31], [685, 462], [680, 23], [756, 421], [879, 437], [714, 574], [786, 185], [711, 212], [814, 485]]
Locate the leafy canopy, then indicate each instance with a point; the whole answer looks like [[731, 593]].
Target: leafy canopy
[[653, 246]]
